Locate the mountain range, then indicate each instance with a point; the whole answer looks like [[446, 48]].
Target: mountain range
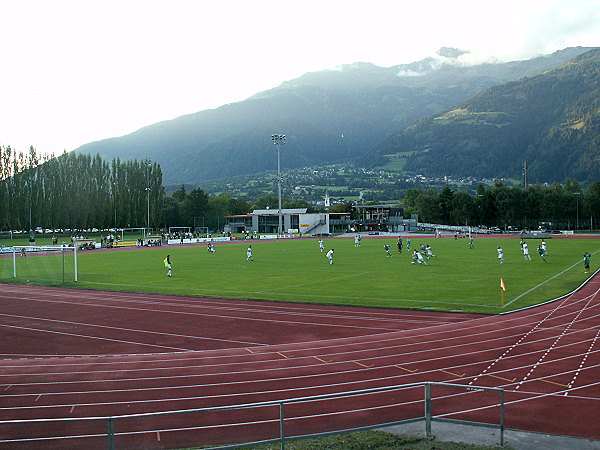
[[363, 112], [550, 120]]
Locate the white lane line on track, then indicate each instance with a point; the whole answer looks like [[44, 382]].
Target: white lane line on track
[[295, 389], [537, 325], [534, 396], [224, 307], [549, 349], [162, 311], [310, 296], [239, 304], [397, 340], [91, 337], [84, 324], [395, 379], [188, 359], [244, 371], [582, 364]]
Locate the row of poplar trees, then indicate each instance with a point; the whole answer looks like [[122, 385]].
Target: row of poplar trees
[[78, 191], [75, 191]]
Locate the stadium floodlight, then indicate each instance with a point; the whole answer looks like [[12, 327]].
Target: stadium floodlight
[[115, 201], [279, 140], [577, 194], [148, 165]]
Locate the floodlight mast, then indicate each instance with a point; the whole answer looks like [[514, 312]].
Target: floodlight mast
[[279, 140], [148, 166]]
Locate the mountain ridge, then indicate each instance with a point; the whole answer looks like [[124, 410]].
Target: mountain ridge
[[328, 116], [551, 120]]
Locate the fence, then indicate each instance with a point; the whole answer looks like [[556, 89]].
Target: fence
[[282, 405]]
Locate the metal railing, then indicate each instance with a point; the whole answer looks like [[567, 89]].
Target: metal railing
[[110, 421]]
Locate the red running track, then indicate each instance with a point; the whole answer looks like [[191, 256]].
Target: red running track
[[69, 353]]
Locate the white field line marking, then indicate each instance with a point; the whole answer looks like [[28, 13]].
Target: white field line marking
[[540, 284]]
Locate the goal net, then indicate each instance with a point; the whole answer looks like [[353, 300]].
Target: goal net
[[133, 233], [54, 264], [202, 231]]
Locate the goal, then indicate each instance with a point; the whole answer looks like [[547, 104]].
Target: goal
[[179, 230], [47, 264]]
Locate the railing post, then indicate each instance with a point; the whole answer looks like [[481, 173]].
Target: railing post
[[502, 418], [428, 410], [110, 425], [281, 429]]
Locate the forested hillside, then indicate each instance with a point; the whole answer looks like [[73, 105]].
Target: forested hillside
[[328, 116], [550, 120]]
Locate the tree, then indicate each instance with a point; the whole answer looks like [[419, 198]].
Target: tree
[[194, 205], [445, 204], [265, 201], [180, 194], [463, 208]]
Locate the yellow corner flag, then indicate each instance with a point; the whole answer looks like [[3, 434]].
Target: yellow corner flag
[[503, 288]]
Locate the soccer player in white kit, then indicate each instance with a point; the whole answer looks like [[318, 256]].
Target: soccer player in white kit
[[330, 256], [526, 252], [249, 254], [500, 254], [321, 245], [418, 258], [429, 251]]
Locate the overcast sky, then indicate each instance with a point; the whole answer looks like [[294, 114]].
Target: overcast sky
[[77, 71]]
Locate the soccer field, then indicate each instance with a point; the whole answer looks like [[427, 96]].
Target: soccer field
[[458, 279]]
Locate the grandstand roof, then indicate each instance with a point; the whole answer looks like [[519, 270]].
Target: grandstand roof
[[275, 211]]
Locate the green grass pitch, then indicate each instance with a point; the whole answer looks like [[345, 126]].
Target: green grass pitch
[[458, 279]]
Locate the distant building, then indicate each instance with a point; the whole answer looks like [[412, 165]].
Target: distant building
[[266, 221], [367, 218], [381, 218]]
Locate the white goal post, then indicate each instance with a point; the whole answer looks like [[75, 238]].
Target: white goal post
[[33, 251], [136, 231], [202, 230]]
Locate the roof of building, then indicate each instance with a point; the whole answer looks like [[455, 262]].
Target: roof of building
[[377, 206], [275, 211]]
